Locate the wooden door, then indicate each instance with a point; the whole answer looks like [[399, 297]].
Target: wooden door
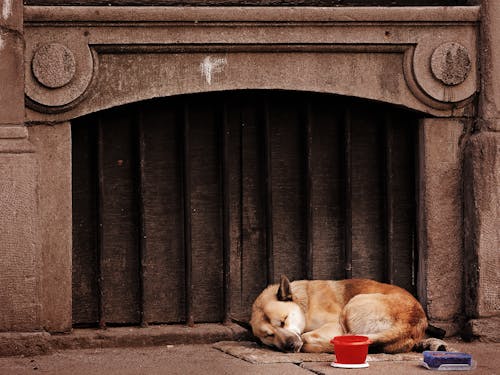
[[185, 208]]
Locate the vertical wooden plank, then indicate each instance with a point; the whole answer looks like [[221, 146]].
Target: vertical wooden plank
[[309, 254], [208, 298], [416, 194], [348, 193], [164, 281], [224, 133], [268, 172], [389, 199], [254, 193], [186, 198], [367, 192], [402, 140], [85, 257], [120, 260], [233, 103], [100, 223], [141, 182], [327, 176], [287, 159]]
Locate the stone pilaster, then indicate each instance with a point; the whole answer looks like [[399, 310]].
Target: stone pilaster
[[440, 221], [53, 148], [482, 190], [19, 246], [482, 224]]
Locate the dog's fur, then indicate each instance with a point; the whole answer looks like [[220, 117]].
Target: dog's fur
[[305, 315]]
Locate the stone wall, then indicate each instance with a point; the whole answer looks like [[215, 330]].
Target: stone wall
[[460, 167]]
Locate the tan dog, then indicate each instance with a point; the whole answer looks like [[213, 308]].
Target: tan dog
[[306, 315]]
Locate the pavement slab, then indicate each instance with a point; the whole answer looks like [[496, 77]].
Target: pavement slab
[[169, 359], [255, 353], [205, 359], [486, 356]]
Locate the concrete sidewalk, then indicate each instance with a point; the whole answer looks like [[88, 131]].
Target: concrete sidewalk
[[204, 359]]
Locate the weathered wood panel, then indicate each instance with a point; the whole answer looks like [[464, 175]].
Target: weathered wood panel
[[299, 124]]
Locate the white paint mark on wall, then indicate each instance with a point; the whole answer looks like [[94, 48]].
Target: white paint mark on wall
[[6, 9], [211, 65], [2, 43]]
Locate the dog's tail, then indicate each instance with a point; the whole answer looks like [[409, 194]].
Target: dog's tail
[[436, 332]]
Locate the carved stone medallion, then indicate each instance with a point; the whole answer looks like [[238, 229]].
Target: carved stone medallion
[[450, 63], [53, 65]]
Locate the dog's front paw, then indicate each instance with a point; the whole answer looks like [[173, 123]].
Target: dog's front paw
[[309, 337], [314, 343]]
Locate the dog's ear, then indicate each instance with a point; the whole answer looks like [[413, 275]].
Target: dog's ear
[[248, 336], [242, 323], [284, 291]]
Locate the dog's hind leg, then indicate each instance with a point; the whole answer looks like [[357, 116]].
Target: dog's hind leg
[[392, 323], [391, 342]]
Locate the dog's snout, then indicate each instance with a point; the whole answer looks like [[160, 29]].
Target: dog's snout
[[288, 341], [292, 346]]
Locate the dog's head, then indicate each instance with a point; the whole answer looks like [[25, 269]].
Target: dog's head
[[277, 320]]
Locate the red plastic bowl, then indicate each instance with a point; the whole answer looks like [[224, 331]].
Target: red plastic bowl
[[351, 349]]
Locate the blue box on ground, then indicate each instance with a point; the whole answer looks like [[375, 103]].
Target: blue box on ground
[[447, 361]]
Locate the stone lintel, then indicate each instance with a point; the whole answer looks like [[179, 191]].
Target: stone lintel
[[85, 59]]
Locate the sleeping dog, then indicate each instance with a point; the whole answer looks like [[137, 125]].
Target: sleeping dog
[[305, 315]]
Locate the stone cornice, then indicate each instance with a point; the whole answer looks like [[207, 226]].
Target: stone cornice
[[117, 14], [423, 58]]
